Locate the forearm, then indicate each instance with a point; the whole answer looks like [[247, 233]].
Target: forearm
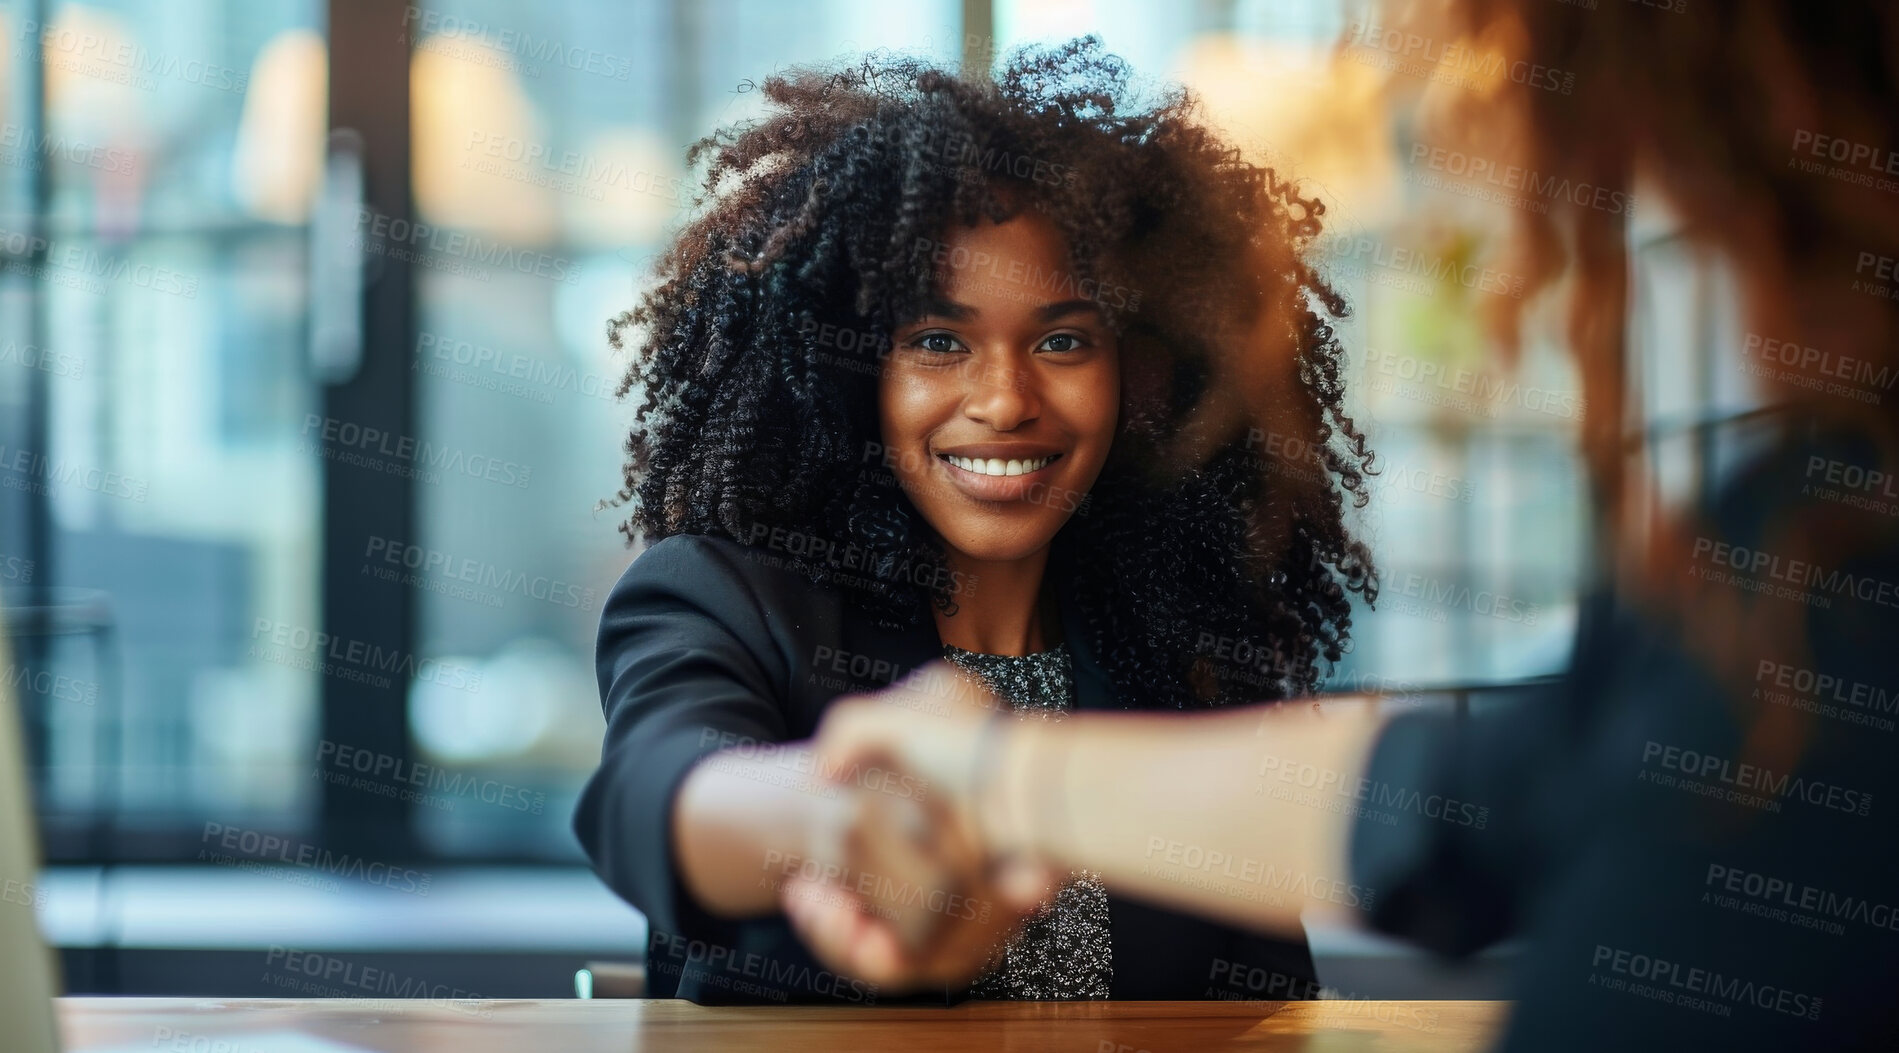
[[738, 820], [1242, 815]]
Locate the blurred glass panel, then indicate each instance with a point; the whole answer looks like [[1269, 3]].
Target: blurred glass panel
[[167, 296], [1479, 539], [182, 485], [19, 131], [1481, 529], [1150, 36], [27, 370], [154, 112]]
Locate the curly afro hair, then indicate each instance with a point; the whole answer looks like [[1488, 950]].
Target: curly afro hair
[[1212, 561]]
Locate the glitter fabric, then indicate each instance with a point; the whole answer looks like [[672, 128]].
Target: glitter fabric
[[1063, 951]]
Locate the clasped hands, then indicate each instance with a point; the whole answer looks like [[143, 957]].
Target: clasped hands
[[929, 867]]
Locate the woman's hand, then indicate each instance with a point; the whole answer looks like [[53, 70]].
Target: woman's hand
[[920, 899], [913, 905]]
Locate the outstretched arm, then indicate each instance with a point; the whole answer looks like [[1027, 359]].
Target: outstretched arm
[[1241, 815], [705, 809]]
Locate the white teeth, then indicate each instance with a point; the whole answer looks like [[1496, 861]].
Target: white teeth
[[997, 466]]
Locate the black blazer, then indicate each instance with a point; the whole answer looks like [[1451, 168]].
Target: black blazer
[[704, 638]]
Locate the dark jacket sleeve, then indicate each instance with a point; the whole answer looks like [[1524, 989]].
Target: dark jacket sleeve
[[1466, 817], [686, 657], [1456, 816], [1451, 886]]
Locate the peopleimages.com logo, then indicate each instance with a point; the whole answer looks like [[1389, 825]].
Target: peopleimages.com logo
[[1751, 785], [236, 846]]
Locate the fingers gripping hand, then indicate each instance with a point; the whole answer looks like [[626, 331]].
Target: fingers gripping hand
[[913, 905], [919, 899]]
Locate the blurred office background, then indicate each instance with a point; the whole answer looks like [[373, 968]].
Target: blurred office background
[[286, 588]]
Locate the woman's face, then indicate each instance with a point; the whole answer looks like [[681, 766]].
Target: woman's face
[[998, 405]]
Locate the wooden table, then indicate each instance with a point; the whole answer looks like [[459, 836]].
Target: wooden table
[[190, 1025]]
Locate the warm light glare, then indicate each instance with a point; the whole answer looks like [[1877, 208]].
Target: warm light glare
[[471, 124], [627, 191], [1301, 110], [85, 95], [278, 158]]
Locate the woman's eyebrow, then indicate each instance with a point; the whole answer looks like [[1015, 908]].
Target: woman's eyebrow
[[1062, 308], [960, 312]]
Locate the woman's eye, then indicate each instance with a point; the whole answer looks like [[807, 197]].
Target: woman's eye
[[1062, 342], [941, 343]]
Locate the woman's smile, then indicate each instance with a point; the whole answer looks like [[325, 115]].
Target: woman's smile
[[999, 478], [997, 466]]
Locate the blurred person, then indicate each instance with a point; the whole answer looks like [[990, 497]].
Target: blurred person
[[919, 383], [1695, 832]]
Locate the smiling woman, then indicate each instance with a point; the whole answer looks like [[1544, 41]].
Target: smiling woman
[[1003, 373], [993, 403]]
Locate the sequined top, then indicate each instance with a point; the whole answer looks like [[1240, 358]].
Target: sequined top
[[1064, 950]]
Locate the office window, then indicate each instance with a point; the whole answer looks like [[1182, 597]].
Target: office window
[[158, 162]]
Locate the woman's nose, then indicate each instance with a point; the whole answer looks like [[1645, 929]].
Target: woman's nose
[[1001, 393]]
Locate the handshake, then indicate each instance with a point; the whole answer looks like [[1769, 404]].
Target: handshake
[[918, 876]]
